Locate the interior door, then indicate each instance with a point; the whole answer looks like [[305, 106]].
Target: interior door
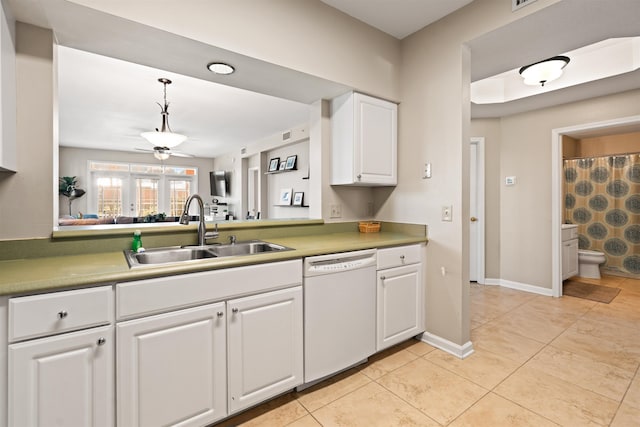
[[476, 210], [473, 212]]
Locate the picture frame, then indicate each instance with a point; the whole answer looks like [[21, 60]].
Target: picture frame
[[285, 197], [283, 164], [298, 198], [291, 162], [274, 164]]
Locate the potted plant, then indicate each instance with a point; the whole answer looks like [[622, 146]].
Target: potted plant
[[67, 187]]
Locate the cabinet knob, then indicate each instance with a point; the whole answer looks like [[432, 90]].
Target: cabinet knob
[[235, 310], [359, 177], [62, 314], [220, 314], [383, 277], [402, 258], [101, 341]]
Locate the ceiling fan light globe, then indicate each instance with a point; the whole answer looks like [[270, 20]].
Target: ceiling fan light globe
[[161, 155], [164, 139]]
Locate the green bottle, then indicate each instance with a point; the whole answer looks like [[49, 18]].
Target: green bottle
[[137, 241]]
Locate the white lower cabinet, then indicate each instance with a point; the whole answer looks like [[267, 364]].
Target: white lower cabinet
[[400, 298], [569, 258], [265, 346], [171, 368], [63, 380], [196, 348]]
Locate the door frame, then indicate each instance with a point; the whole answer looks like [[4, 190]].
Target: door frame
[[480, 172], [556, 187]]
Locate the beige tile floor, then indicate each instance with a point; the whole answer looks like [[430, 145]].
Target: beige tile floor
[[538, 361]]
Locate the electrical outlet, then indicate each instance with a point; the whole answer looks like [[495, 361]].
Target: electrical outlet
[[447, 213], [336, 211]]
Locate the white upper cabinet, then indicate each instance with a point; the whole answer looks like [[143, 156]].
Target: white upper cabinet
[[364, 139], [7, 94]]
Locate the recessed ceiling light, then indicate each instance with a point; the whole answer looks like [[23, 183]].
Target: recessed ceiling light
[[220, 68]]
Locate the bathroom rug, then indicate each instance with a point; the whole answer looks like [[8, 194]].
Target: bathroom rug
[[589, 291]]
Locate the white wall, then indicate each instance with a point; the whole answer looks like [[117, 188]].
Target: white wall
[[26, 198]]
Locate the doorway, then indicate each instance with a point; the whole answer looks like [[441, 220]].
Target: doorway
[[627, 123], [476, 210]]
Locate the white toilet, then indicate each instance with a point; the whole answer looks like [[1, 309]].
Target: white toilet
[[589, 263]]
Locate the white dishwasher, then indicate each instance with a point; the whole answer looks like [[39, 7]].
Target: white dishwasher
[[339, 312]]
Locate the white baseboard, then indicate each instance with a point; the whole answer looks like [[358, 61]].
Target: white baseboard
[[460, 351], [520, 286]]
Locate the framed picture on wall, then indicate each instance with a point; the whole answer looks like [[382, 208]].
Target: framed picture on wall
[[285, 197], [283, 164], [298, 198], [273, 164], [291, 162]]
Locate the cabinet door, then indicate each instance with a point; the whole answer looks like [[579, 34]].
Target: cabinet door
[[375, 136], [265, 346], [171, 368], [400, 302], [64, 380], [569, 258]]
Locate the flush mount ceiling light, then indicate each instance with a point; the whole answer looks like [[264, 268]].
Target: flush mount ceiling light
[[221, 68], [164, 137], [544, 71]]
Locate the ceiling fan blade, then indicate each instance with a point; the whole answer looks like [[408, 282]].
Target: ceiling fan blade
[[144, 149], [180, 154]]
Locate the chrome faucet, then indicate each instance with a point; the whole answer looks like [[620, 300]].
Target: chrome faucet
[[232, 239], [202, 228]]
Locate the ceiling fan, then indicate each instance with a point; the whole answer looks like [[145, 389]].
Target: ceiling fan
[[163, 153]]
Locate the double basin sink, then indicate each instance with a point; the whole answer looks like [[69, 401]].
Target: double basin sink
[[178, 255]]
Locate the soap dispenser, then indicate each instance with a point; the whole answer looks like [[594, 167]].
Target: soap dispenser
[[137, 241]]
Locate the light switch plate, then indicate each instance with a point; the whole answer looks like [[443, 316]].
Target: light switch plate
[[447, 213]]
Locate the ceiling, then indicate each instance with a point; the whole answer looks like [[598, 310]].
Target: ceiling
[[97, 109], [398, 18]]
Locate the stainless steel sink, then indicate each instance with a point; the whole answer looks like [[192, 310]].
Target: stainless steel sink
[[246, 248], [167, 255], [180, 255]]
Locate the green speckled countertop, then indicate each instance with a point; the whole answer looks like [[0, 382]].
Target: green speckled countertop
[[22, 276]]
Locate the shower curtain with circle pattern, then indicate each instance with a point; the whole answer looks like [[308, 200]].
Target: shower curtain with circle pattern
[[602, 196]]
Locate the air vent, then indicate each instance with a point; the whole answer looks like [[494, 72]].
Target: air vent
[[286, 135], [243, 150], [517, 4]]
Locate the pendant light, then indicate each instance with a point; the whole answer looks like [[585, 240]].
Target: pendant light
[[544, 71], [164, 137]]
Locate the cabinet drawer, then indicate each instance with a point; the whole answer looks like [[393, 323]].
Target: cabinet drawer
[[152, 296], [395, 257], [569, 233], [52, 313]]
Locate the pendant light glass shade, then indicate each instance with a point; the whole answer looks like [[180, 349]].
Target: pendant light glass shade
[[164, 137], [544, 71]]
